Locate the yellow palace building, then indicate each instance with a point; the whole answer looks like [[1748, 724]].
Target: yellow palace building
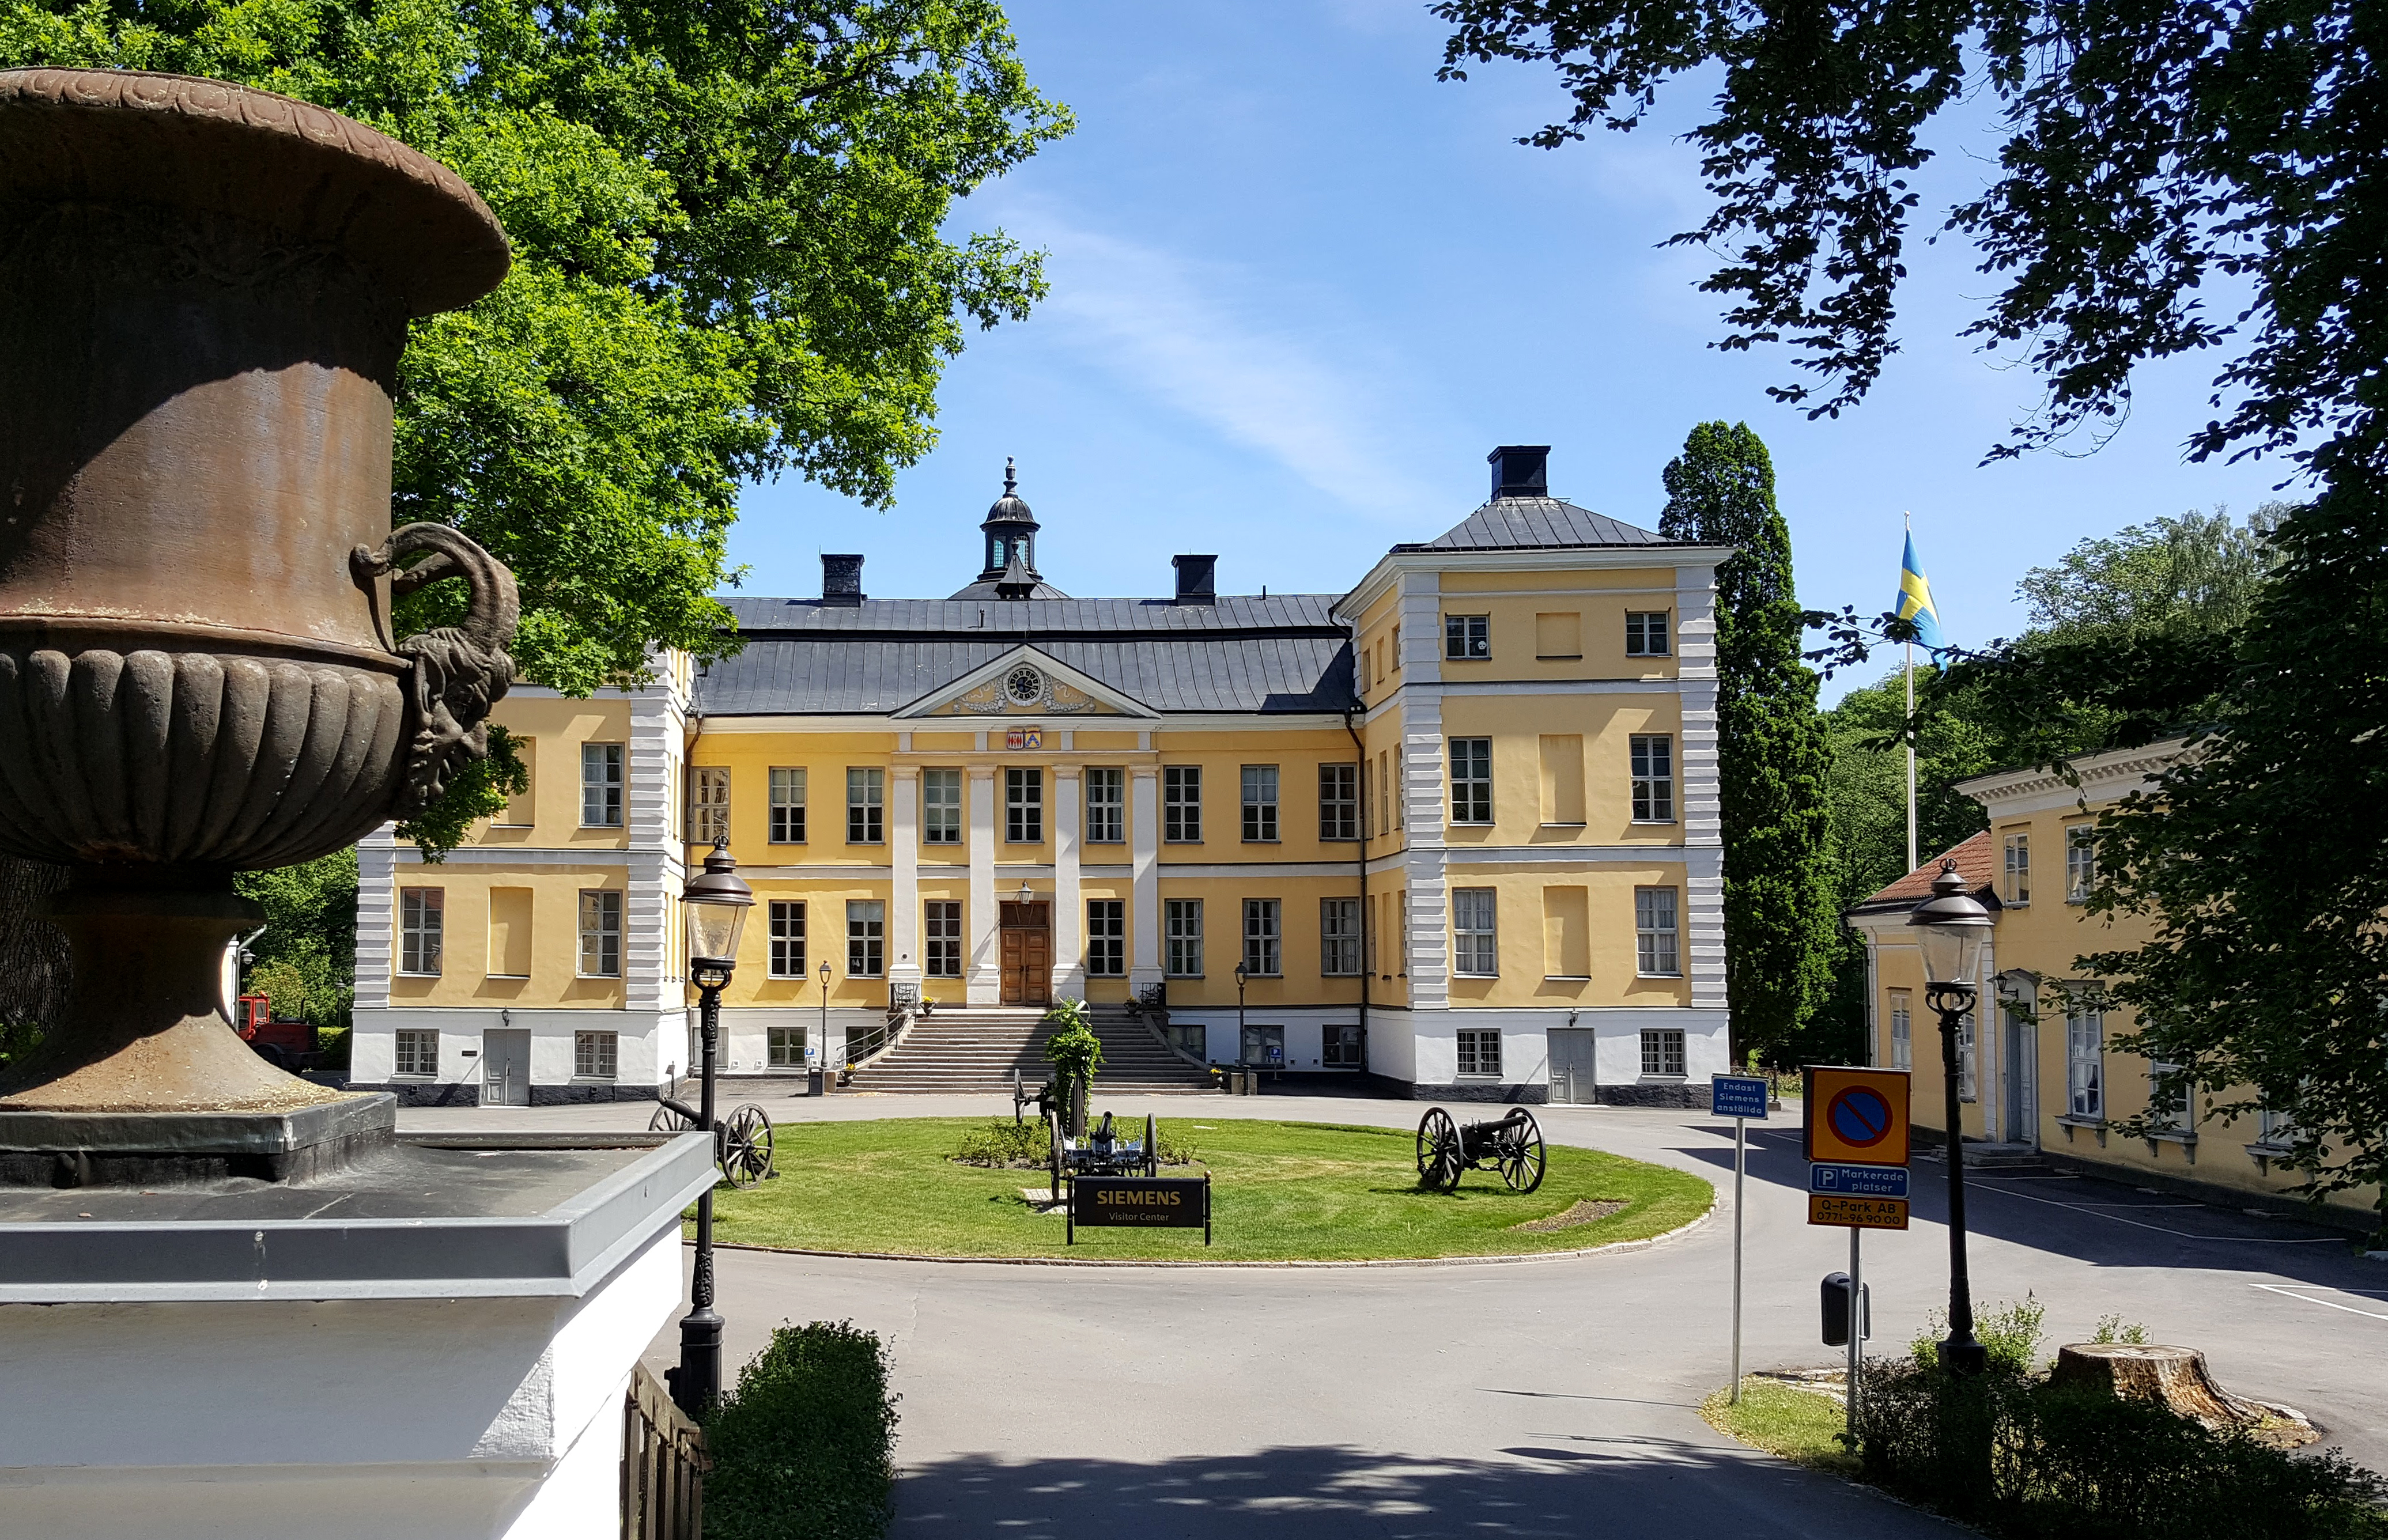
[[1454, 831]]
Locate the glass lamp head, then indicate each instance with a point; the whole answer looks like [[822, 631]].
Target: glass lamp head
[[716, 902], [1952, 928]]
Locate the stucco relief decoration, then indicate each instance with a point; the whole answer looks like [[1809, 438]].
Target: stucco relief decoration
[[1024, 690]]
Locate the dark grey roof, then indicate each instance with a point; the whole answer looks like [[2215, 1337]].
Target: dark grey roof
[[1242, 654], [984, 588], [1538, 523]]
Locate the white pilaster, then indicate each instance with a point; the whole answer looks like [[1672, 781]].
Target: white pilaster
[[983, 984], [653, 981], [1069, 949], [1144, 847], [377, 924], [1695, 685], [904, 881], [1421, 790]]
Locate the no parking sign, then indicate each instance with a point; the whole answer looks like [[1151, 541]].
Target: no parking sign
[[1856, 1116]]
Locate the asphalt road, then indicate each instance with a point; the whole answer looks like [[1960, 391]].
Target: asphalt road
[[1526, 1399]]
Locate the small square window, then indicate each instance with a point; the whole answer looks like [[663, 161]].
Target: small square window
[[418, 1054], [1662, 1051], [1479, 1054], [1645, 633], [1467, 638], [596, 1055], [785, 1046]]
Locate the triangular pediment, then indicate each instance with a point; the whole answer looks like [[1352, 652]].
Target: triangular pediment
[[1025, 682]]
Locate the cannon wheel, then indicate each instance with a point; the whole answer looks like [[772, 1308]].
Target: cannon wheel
[[1439, 1161], [746, 1146], [666, 1120], [1522, 1156], [1053, 1128], [1151, 1145], [1019, 1096]]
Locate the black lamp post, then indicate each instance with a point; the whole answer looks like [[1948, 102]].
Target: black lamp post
[[715, 902], [1952, 929], [814, 1072], [1240, 1013]]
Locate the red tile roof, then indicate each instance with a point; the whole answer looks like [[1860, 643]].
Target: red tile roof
[[1977, 863]]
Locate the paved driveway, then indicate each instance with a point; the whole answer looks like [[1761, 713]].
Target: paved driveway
[[1543, 1398]]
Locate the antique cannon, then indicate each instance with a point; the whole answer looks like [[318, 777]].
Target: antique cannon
[[1512, 1145], [741, 1143], [1102, 1153]]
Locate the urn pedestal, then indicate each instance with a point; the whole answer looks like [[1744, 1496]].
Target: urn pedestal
[[204, 295]]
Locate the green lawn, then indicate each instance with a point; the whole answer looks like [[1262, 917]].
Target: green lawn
[[1799, 1425], [1280, 1192]]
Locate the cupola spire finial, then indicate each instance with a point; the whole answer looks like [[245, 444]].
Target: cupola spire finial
[[1010, 480]]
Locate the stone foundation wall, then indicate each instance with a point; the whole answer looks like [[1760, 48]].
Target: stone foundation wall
[[1686, 1095]]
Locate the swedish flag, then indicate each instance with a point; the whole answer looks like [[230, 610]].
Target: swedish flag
[[1915, 601]]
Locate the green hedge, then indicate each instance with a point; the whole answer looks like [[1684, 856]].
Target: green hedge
[[805, 1446], [2022, 1458]]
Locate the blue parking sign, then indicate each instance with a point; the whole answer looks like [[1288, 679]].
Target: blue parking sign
[[1737, 1096]]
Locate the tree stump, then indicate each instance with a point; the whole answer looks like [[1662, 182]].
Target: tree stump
[[2178, 1379]]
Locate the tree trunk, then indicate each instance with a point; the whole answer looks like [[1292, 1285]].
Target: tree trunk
[[1078, 1107], [33, 966], [2175, 1376]]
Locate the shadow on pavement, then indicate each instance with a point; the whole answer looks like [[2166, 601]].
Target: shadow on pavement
[[1559, 1485]]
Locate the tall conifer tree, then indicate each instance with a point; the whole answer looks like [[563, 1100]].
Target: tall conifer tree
[[1772, 751]]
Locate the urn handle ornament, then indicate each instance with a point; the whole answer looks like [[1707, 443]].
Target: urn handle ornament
[[455, 673]]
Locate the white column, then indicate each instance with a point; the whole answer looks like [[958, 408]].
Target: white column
[[376, 899], [1421, 790], [1069, 949], [1695, 686], [904, 879], [1144, 845], [985, 984]]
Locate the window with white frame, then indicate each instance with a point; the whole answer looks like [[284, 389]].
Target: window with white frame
[[866, 939], [601, 785], [1106, 805], [787, 938], [2015, 884], [1645, 633], [1471, 780], [865, 806], [2080, 862], [1467, 638], [1023, 805], [1263, 938], [1479, 1052], [1339, 802], [1657, 952], [708, 805], [418, 1053], [787, 804], [1401, 778], [1260, 804], [600, 933], [1106, 939], [2085, 1063], [941, 807], [1652, 757], [422, 928], [1181, 803], [941, 938], [1182, 930], [1662, 1051], [1477, 950], [596, 1055], [2276, 1127], [786, 1047], [1338, 937], [2170, 1098], [1902, 1030]]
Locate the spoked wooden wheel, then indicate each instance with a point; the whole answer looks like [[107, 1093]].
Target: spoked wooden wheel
[[1522, 1156], [1053, 1128], [1439, 1161], [746, 1146], [669, 1120]]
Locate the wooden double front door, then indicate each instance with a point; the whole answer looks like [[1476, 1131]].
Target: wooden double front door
[[1027, 936]]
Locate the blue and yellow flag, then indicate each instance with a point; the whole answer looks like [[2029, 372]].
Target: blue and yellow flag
[[1915, 601]]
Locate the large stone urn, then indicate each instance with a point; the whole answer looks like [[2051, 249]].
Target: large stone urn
[[204, 292]]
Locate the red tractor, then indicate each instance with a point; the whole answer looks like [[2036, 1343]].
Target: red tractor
[[283, 1044]]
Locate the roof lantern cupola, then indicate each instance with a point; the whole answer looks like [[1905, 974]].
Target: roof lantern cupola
[[1010, 531]]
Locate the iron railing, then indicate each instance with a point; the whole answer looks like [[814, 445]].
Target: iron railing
[[663, 1465]]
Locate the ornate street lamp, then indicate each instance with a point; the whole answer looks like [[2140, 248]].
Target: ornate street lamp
[[1952, 929], [714, 903], [1240, 971], [820, 1049]]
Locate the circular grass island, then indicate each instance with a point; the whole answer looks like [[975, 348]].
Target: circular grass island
[[1280, 1192]]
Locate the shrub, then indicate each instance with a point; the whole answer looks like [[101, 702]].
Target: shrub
[[804, 1447], [1025, 1146], [2009, 1333], [2111, 1328], [2025, 1458], [334, 1047]]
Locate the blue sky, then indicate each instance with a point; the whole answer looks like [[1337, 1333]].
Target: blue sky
[[1299, 289]]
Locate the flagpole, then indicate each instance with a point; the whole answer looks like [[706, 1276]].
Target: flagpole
[[1914, 860]]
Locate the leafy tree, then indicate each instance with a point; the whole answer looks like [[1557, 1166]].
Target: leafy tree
[[307, 955], [2199, 573], [1772, 759], [731, 261]]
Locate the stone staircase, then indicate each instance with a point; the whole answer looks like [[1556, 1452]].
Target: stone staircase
[[976, 1048]]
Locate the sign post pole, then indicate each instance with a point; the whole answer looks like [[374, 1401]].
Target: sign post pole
[[1740, 1150], [1857, 1323]]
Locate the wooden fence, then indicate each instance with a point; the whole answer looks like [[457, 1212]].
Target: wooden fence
[[663, 1465]]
